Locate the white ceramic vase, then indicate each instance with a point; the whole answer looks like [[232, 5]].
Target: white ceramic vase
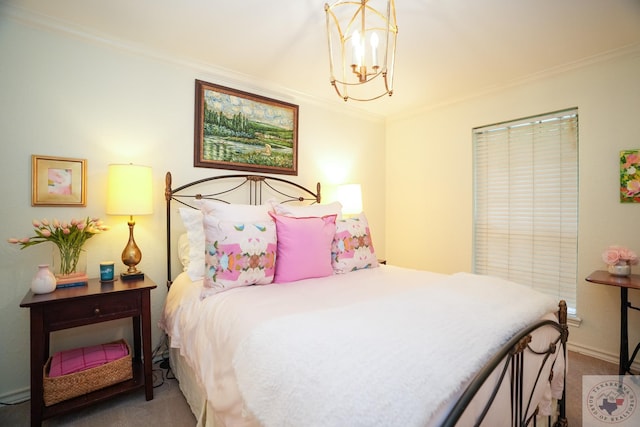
[[44, 281], [620, 269]]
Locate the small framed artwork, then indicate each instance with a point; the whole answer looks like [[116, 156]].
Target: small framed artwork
[[241, 131], [630, 176], [58, 181]]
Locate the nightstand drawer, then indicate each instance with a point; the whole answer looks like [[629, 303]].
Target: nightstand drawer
[[82, 311]]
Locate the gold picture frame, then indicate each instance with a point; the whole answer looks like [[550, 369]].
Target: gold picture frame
[[241, 131], [58, 181]]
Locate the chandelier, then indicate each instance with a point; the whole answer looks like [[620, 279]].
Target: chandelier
[[362, 45]]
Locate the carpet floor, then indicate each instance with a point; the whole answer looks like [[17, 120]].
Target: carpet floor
[[169, 408]]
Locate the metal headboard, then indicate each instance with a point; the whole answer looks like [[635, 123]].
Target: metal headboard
[[257, 185]]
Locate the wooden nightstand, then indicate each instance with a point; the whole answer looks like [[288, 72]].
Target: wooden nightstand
[[602, 277], [84, 305]]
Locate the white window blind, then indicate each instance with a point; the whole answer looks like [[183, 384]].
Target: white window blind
[[526, 202]]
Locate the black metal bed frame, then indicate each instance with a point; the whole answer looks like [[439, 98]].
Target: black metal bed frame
[[255, 185], [509, 361]]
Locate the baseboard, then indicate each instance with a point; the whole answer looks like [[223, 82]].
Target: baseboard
[[15, 397], [599, 354], [23, 395]]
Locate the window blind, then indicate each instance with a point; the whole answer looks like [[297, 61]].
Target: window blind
[[526, 202]]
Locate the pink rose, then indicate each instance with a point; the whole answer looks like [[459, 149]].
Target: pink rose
[[611, 256], [633, 187]]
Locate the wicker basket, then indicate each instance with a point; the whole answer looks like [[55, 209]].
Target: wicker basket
[[65, 387]]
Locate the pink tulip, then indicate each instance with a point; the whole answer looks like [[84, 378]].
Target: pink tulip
[[66, 231], [45, 222], [36, 223], [46, 233], [13, 240]]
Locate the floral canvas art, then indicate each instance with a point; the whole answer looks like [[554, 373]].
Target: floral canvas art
[[630, 176]]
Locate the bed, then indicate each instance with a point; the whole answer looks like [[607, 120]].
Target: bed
[[262, 333]]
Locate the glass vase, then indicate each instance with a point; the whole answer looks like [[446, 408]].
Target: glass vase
[[69, 264]]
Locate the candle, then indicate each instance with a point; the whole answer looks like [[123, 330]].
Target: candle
[[355, 41], [374, 48]]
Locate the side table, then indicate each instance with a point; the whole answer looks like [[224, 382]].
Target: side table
[[624, 283], [84, 305]]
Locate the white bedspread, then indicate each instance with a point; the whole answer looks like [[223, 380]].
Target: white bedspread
[[363, 321], [381, 362]]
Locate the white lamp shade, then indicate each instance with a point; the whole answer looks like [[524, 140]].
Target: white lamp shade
[[130, 190], [350, 197]]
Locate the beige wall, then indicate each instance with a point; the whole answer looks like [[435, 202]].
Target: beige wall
[[68, 95], [429, 193]]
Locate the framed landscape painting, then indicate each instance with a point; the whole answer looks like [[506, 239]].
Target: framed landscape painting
[[241, 131]]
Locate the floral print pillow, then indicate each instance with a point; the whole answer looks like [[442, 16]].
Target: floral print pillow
[[237, 254], [352, 247]]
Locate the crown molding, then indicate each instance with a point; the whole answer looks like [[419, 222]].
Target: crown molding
[[629, 51], [223, 75]]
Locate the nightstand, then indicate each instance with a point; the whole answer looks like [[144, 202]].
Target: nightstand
[[84, 305], [632, 281]]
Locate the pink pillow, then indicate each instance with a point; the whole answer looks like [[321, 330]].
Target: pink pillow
[[79, 359], [304, 247], [352, 247]]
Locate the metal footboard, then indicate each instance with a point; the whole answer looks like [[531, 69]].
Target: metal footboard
[[511, 360]]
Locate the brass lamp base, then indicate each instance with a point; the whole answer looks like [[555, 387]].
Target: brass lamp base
[[131, 256]]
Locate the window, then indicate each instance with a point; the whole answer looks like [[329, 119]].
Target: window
[[526, 202]]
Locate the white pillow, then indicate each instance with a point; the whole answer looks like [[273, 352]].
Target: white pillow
[[317, 210], [235, 212], [192, 220], [183, 251]]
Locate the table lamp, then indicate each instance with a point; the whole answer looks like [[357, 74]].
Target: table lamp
[[350, 197], [130, 193]]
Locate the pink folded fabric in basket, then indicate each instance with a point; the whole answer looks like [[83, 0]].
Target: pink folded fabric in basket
[[79, 359]]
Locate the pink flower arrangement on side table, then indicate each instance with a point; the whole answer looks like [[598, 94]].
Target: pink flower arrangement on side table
[[619, 255], [69, 237], [619, 260]]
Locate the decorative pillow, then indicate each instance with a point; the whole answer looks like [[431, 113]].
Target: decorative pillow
[[304, 247], [316, 210], [193, 260], [352, 247], [193, 263], [238, 253]]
